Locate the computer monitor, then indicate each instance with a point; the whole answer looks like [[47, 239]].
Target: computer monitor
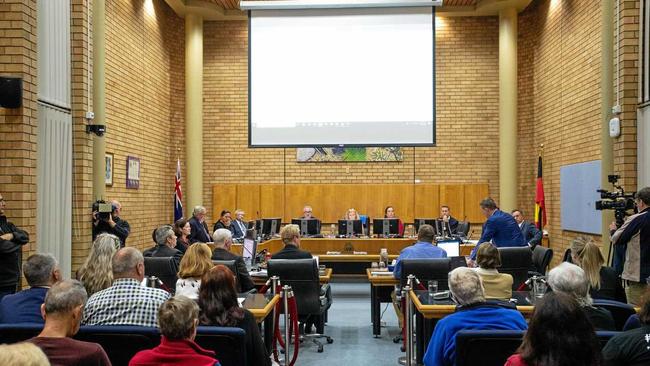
[[271, 226], [443, 228], [308, 227], [452, 247], [385, 227], [249, 249], [350, 228], [419, 222]]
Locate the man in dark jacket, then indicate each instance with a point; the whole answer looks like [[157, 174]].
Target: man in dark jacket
[[222, 241], [199, 233], [11, 241], [165, 245], [114, 225], [290, 235], [532, 235]]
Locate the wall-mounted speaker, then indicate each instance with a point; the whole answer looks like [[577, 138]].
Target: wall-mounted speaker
[[11, 92]]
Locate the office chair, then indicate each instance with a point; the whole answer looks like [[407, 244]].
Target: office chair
[[541, 259], [164, 268], [621, 311], [427, 269], [516, 261], [463, 229], [302, 276]]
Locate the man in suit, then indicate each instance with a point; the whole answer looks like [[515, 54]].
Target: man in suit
[[445, 216], [308, 213], [239, 226], [500, 228], [531, 234], [222, 241], [199, 227], [165, 245], [290, 235]]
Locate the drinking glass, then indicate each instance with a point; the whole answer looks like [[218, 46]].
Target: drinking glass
[[432, 286], [539, 288]]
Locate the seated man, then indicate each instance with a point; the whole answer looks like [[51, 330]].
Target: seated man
[[532, 235], [239, 226], [308, 213], [126, 302], [473, 312], [445, 216], [572, 280], [290, 235], [62, 311], [165, 245], [178, 318], [41, 272], [631, 347], [423, 248], [222, 241]]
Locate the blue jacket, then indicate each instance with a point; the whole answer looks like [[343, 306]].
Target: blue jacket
[[237, 231], [419, 250], [199, 232], [442, 346], [531, 234], [23, 307], [503, 230]]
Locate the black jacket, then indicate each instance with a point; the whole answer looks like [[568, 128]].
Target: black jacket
[[11, 253], [164, 251], [220, 225], [291, 252], [531, 234], [200, 232], [243, 279], [121, 229]]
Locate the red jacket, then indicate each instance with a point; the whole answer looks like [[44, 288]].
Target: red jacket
[[515, 360], [175, 352]]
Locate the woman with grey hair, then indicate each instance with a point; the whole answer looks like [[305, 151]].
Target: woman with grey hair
[[572, 280], [96, 273]]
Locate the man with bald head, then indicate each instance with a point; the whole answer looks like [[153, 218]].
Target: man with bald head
[[114, 225], [126, 302]]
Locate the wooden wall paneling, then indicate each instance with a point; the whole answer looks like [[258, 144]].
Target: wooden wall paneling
[[400, 196], [271, 201], [248, 199], [453, 195], [296, 196], [224, 197], [349, 196], [474, 193], [327, 200], [426, 198]]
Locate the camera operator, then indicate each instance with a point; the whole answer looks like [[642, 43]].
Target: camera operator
[[112, 223], [635, 234]]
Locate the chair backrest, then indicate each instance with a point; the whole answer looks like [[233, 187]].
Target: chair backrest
[[229, 343], [231, 264], [121, 342], [302, 276], [516, 261], [621, 312], [567, 256], [13, 333], [542, 258], [162, 267], [427, 269], [463, 228]]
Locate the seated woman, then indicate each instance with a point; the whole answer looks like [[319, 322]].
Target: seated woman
[[604, 282], [559, 333], [177, 319], [224, 222], [97, 271], [571, 280], [182, 229], [351, 214], [497, 285], [389, 213], [218, 303], [195, 264]]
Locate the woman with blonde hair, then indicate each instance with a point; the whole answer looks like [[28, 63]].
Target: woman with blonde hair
[[351, 214], [603, 281], [96, 273], [195, 263]]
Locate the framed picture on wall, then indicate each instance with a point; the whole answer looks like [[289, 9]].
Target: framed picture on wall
[[132, 172], [109, 169]]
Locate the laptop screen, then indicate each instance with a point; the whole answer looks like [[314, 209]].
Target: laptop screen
[[451, 247], [248, 251]]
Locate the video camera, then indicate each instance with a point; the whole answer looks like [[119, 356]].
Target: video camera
[[102, 209], [619, 201]]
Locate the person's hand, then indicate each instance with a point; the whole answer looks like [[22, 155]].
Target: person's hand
[[471, 263], [612, 226], [94, 216], [445, 218], [110, 220], [7, 236]]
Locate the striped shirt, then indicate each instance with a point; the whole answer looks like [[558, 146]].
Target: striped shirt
[[126, 302]]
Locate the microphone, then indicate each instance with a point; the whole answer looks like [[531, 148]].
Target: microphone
[[469, 236]]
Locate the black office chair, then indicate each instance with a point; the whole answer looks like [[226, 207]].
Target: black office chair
[[229, 343], [427, 269], [541, 259], [621, 312], [567, 256], [164, 268], [463, 228], [302, 276], [516, 261]]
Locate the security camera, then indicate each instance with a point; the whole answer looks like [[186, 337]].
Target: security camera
[[98, 130]]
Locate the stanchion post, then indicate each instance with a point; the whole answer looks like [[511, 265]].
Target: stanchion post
[[285, 297], [275, 281], [408, 324]]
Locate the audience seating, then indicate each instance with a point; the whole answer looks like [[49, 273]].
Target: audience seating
[[427, 269], [632, 322], [164, 268], [302, 276], [516, 261], [541, 259], [493, 347], [122, 342], [621, 311]]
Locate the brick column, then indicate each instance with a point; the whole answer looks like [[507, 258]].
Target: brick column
[[99, 96], [194, 109]]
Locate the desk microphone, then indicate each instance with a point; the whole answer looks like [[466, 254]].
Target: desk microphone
[[469, 236]]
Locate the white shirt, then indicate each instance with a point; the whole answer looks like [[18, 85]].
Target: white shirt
[[188, 287]]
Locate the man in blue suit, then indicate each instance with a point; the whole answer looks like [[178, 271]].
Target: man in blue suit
[[500, 228], [239, 226], [199, 228], [531, 234]]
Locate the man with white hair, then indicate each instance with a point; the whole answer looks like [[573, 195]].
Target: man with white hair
[[472, 312], [114, 225], [573, 281], [41, 272], [199, 233], [126, 302], [165, 245], [222, 242]]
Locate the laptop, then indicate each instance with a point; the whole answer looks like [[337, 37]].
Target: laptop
[[452, 247]]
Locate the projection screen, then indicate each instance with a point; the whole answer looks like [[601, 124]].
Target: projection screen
[[357, 77]]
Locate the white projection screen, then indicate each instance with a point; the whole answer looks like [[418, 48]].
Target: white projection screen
[[353, 77]]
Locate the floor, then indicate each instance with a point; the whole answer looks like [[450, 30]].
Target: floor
[[349, 324]]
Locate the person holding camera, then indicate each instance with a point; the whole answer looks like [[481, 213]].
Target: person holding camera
[[635, 234], [110, 222], [12, 240]]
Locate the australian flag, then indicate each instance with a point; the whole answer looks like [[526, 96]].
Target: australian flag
[[178, 194]]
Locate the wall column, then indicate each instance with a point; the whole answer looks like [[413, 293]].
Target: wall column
[[606, 102], [99, 97], [194, 109], [508, 109]]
